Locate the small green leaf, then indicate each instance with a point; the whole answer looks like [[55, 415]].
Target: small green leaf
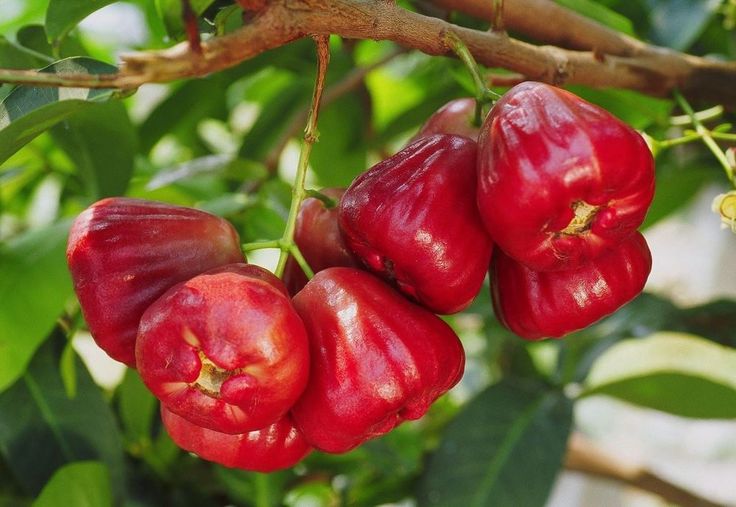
[[63, 15], [80, 484], [137, 407], [34, 287], [28, 111], [102, 143], [677, 373], [600, 13], [68, 369], [503, 449]]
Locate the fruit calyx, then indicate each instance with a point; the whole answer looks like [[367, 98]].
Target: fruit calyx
[[583, 218], [211, 377]]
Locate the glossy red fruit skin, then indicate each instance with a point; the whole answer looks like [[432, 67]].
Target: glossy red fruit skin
[[377, 359], [456, 117], [124, 253], [225, 350], [272, 448], [412, 219], [541, 150], [318, 237], [539, 304]]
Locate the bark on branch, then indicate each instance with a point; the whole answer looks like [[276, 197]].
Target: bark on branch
[[613, 60]]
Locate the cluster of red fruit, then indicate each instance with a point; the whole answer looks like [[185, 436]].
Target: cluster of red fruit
[[253, 372]]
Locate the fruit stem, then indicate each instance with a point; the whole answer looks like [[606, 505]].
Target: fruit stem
[[328, 201], [483, 95], [706, 135], [311, 135], [497, 22]]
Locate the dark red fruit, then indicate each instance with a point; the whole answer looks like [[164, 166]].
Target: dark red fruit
[[413, 220], [560, 180], [274, 447], [319, 239], [456, 117], [226, 349], [377, 359], [124, 253], [538, 304]]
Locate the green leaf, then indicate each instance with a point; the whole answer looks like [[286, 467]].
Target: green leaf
[[41, 429], [636, 109], [137, 407], [677, 373], [34, 287], [169, 117], [63, 15], [277, 111], [676, 187], [81, 484], [102, 143], [33, 37], [503, 449], [678, 23], [601, 14], [340, 154], [28, 111], [15, 56]]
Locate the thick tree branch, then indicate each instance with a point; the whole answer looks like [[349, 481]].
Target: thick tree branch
[[583, 456], [654, 71]]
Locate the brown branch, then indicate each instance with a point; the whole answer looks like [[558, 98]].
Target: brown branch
[[583, 456], [655, 72]]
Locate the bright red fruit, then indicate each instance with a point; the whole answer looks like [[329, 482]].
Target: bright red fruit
[[455, 117], [412, 219], [560, 180], [377, 359], [319, 239], [226, 349], [538, 304], [124, 253], [274, 447]]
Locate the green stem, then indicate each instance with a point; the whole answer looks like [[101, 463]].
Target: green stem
[[328, 201], [712, 113], [483, 95], [310, 137], [706, 135], [258, 245], [725, 136], [297, 254], [263, 490]]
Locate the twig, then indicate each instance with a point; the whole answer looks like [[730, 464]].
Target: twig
[[654, 71], [583, 456]]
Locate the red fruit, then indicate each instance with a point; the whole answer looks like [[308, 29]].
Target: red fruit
[[413, 220], [538, 304], [456, 117], [560, 181], [274, 447], [226, 350], [319, 239], [377, 359], [124, 253]]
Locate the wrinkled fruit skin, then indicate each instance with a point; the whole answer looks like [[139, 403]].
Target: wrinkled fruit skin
[[377, 359], [125, 253], [318, 237], [412, 219], [542, 153], [456, 117], [272, 448], [225, 350], [539, 304]]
